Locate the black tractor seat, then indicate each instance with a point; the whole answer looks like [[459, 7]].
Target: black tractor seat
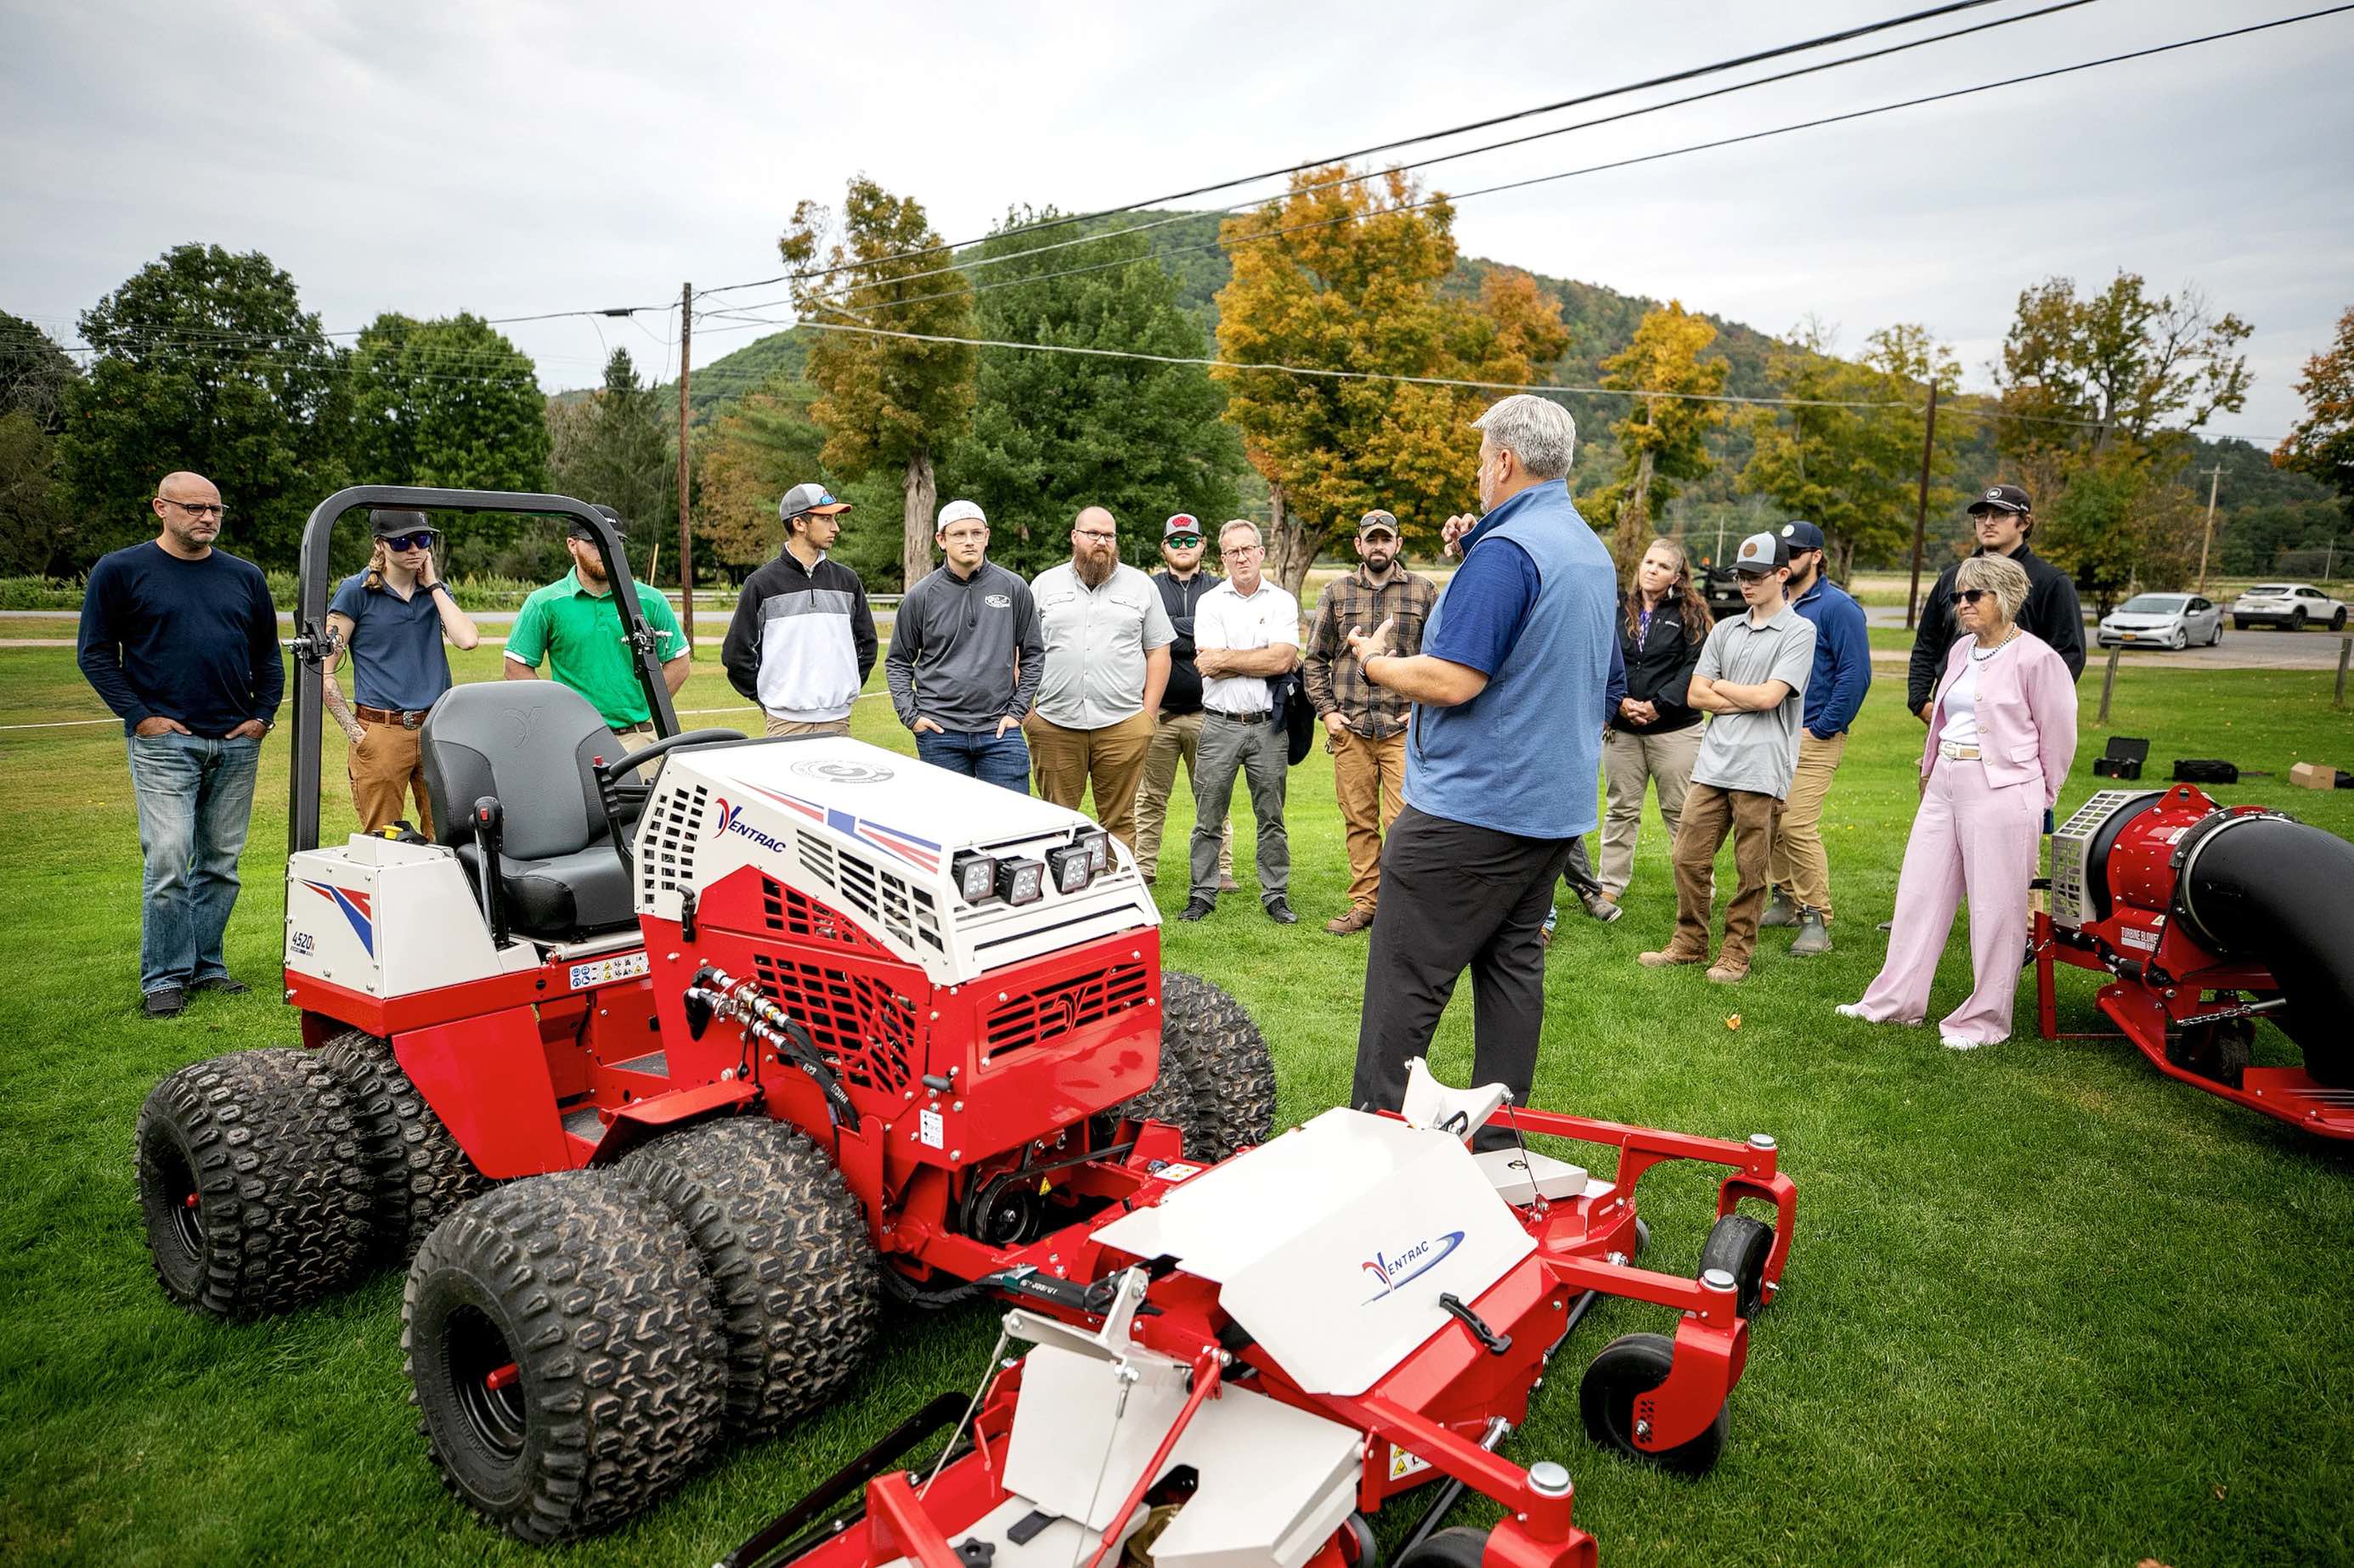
[[531, 745]]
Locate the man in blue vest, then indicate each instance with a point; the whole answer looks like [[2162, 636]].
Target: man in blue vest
[[1502, 752]]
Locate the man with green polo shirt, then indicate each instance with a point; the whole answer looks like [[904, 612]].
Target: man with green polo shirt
[[574, 624]]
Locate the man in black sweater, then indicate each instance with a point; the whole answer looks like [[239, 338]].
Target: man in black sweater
[[2004, 520], [182, 641]]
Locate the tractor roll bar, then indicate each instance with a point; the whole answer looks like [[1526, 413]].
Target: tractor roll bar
[[315, 578]]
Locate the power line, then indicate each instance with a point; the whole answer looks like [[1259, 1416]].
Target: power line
[[1687, 75]]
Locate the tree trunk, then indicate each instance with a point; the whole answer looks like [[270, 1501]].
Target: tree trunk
[[1290, 544], [922, 492], [1632, 536]]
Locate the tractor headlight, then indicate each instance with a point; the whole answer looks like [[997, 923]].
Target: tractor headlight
[[1022, 880], [1098, 848], [1072, 867], [976, 877]]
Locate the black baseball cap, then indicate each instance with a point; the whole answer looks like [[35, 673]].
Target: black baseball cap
[[2001, 498], [1802, 537], [580, 530], [390, 523]]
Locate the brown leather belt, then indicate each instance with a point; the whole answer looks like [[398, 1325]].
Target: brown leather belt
[[389, 715]]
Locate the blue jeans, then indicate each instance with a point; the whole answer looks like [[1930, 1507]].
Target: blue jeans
[[1000, 759], [195, 799]]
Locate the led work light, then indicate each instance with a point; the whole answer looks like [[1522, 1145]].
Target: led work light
[[1098, 847], [976, 877], [1021, 881], [1072, 867]]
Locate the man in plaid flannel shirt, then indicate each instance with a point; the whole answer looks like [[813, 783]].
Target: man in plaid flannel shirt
[[1364, 725]]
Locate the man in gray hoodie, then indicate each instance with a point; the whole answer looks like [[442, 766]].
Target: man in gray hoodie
[[965, 657]]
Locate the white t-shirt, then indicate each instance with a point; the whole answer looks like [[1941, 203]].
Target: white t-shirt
[[1961, 708], [1228, 621]]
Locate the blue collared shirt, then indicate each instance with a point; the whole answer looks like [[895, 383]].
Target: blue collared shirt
[[1842, 671]]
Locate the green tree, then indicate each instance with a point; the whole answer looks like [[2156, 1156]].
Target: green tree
[[758, 446], [617, 448], [1845, 454], [36, 379], [450, 403], [205, 361], [1663, 440], [2322, 444], [1053, 433], [1347, 275], [887, 404]]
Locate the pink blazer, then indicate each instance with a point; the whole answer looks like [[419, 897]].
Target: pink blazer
[[2026, 713]]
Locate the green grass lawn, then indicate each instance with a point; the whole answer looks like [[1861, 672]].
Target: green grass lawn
[[2044, 1306]]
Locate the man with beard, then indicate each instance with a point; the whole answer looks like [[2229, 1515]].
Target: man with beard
[[1364, 725], [1107, 662], [574, 624], [1843, 673]]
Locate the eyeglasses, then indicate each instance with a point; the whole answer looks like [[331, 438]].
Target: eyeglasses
[[1970, 596], [419, 541], [1182, 541], [1096, 534], [197, 508], [1243, 550]]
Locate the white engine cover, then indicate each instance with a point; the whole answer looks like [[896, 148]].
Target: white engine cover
[[385, 918], [1333, 1242], [873, 833]]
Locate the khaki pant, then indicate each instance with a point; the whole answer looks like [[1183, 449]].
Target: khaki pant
[[1799, 868], [1368, 777], [384, 769], [635, 737], [1175, 737], [1709, 814], [802, 726], [1629, 762], [1063, 762]]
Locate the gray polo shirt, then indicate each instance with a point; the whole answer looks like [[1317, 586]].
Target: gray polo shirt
[[1756, 751], [1096, 642]]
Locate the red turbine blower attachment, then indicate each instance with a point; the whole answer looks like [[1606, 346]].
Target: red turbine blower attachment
[[2209, 919]]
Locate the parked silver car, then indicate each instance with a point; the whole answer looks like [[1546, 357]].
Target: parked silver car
[[2163, 620], [2294, 606]]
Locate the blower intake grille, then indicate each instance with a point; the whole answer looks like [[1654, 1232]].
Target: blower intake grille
[[792, 914], [865, 1031], [1051, 1012]]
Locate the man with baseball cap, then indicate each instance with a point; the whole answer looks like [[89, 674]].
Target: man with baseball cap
[[574, 624], [965, 657], [2002, 518], [1843, 673], [391, 619], [1177, 724], [1752, 679], [1364, 724], [803, 641]]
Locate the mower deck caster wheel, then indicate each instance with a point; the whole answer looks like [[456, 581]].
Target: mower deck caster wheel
[[1740, 1245], [1359, 1547], [1631, 1366], [563, 1350], [1460, 1547], [250, 1184]]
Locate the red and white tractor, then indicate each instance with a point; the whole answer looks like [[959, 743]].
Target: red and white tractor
[[660, 1090]]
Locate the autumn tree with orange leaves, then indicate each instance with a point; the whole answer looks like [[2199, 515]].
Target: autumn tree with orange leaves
[[1343, 274]]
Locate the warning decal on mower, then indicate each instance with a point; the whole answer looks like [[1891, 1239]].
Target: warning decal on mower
[[605, 971], [2133, 937], [1402, 1464], [930, 1130]]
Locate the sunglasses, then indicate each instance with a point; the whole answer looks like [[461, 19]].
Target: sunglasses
[[419, 541], [1182, 541], [1970, 596]]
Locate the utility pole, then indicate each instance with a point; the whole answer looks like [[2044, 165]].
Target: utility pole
[[1921, 512], [2214, 479], [685, 538]]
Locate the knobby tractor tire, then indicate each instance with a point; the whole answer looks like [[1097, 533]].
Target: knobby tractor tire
[[419, 1173], [1630, 1366], [794, 1275], [1209, 1045], [252, 1183], [563, 1351]]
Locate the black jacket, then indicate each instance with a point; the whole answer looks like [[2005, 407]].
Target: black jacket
[[2051, 612], [1183, 693], [1660, 670]]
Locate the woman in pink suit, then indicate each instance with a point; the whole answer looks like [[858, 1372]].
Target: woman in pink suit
[[2001, 736]]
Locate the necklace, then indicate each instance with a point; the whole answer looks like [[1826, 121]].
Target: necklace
[[1978, 658]]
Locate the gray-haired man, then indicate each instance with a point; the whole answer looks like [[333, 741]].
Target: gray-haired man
[[1246, 635]]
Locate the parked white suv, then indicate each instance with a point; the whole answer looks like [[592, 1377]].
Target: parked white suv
[[2292, 605]]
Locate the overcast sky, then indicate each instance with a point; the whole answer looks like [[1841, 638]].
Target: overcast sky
[[510, 158]]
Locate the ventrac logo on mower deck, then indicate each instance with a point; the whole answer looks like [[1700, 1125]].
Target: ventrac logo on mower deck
[[1394, 1270], [730, 819]]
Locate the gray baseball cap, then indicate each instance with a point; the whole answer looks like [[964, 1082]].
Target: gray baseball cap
[[804, 498], [1760, 554]]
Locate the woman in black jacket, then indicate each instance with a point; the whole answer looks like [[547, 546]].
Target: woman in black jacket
[[1654, 737]]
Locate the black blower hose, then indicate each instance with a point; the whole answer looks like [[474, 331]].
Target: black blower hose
[[2282, 894]]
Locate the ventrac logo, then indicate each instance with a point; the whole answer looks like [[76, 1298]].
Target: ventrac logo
[[730, 819], [1394, 1271]]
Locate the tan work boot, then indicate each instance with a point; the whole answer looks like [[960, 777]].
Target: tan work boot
[[1721, 973], [1666, 957], [1358, 918]]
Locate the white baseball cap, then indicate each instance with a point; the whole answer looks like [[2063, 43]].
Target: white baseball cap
[[959, 512]]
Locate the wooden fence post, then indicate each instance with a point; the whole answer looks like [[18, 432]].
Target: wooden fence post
[[2108, 685]]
